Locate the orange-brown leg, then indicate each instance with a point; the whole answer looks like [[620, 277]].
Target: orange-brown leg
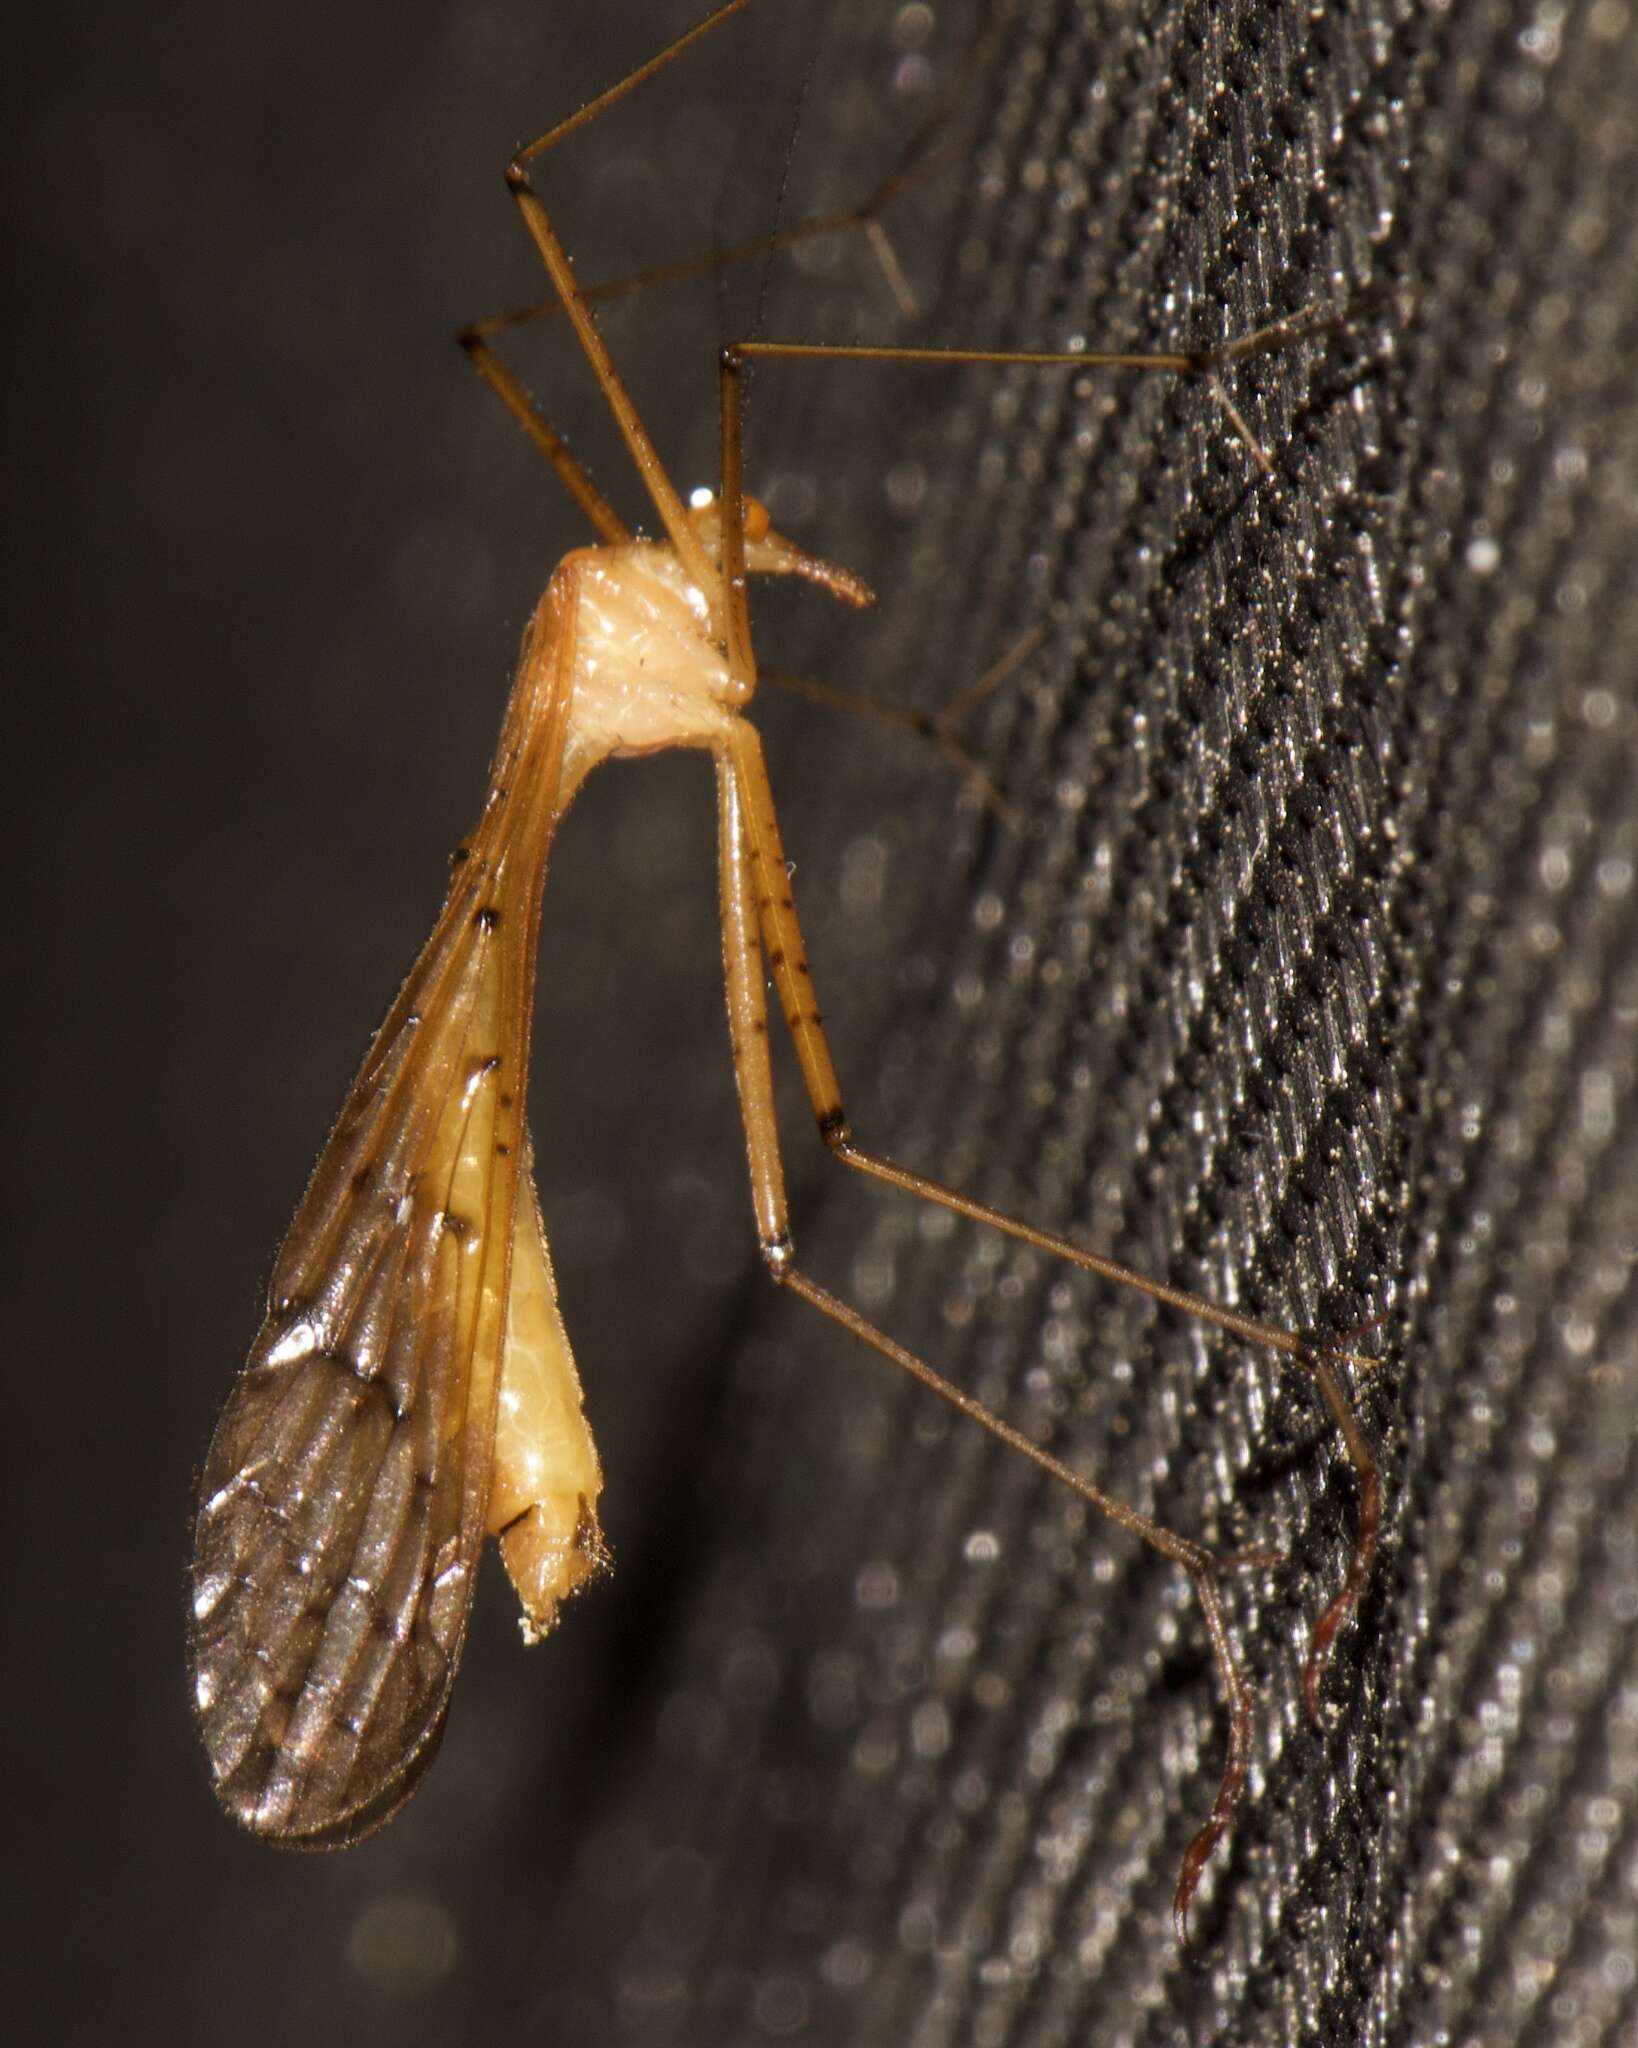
[[932, 142], [740, 899], [787, 959], [1205, 365], [572, 300]]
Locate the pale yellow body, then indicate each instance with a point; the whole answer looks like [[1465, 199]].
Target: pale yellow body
[[642, 675], [546, 1479]]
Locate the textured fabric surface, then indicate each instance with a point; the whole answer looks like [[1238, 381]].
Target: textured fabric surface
[[1310, 983], [1306, 975]]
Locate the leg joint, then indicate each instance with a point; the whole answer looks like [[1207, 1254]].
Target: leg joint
[[833, 1128]]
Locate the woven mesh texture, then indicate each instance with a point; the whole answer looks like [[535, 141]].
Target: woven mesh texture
[[1304, 974], [1311, 984]]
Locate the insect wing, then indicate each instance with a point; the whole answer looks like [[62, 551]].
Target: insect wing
[[342, 1504]]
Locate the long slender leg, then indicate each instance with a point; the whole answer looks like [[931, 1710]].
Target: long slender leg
[[571, 471], [939, 728], [933, 141], [787, 955], [740, 896], [575, 301], [787, 961], [1206, 365], [667, 503]]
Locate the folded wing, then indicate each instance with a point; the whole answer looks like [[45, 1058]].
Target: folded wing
[[343, 1501]]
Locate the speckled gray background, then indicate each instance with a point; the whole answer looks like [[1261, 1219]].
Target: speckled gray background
[[1312, 981]]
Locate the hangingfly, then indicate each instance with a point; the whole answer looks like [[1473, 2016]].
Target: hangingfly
[[411, 1389]]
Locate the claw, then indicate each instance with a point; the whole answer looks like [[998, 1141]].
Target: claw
[[1367, 1526], [1336, 1347], [1225, 1807]]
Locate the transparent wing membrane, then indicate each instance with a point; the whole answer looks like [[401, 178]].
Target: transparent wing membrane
[[343, 1502]]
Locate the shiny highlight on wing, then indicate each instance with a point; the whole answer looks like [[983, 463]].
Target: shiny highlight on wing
[[343, 1501]]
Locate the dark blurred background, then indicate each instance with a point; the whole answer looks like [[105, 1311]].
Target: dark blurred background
[[1309, 978]]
